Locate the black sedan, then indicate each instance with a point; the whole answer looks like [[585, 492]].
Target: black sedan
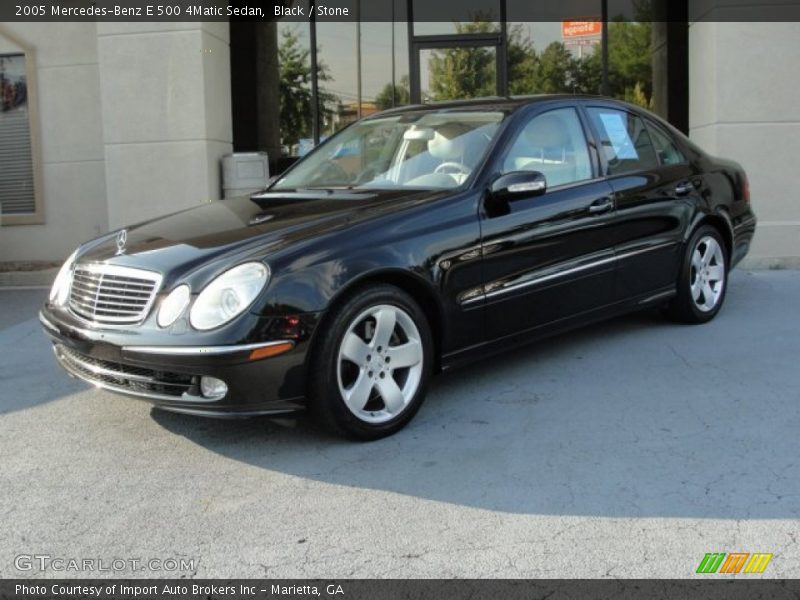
[[412, 241]]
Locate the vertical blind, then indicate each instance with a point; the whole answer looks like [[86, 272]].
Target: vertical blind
[[16, 163], [17, 195]]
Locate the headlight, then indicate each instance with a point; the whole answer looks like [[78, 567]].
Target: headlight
[[173, 306], [228, 295], [60, 290]]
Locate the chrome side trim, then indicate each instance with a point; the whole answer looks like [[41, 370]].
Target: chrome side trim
[[566, 272], [659, 296], [630, 253], [201, 350], [549, 277]]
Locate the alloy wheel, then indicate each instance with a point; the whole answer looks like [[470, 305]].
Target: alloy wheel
[[380, 363], [707, 277]]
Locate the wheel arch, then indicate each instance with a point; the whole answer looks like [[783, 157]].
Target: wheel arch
[[414, 285], [720, 221]]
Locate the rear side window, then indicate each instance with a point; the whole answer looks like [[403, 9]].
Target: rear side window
[[668, 152], [624, 140]]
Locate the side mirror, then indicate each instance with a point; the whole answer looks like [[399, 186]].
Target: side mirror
[[519, 184]]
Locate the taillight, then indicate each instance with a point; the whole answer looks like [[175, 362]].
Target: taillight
[[745, 189]]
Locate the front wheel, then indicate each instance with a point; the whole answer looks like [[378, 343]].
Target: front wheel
[[703, 279], [371, 365]]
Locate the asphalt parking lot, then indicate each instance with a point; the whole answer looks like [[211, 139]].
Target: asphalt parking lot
[[629, 449]]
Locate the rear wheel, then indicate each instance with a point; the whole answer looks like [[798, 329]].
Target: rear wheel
[[372, 364], [703, 279]]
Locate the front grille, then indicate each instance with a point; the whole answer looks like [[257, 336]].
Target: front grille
[[112, 294], [126, 378]]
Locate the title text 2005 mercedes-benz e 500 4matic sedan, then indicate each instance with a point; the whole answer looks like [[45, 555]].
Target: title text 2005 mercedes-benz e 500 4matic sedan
[[412, 241]]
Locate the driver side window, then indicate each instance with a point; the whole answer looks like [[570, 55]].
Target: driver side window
[[554, 144]]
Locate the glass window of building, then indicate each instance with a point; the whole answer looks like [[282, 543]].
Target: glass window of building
[[381, 59], [458, 73], [295, 88], [554, 47], [447, 18], [17, 169]]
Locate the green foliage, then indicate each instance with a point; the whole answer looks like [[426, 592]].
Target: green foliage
[[463, 72], [295, 88], [555, 71], [630, 69], [470, 72], [400, 91], [522, 62]]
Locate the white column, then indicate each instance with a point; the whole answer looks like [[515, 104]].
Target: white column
[[166, 106], [742, 105]]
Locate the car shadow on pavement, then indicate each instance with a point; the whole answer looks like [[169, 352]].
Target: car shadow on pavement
[[29, 373], [633, 417]]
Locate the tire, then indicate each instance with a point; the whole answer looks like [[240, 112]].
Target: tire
[[703, 278], [371, 365]]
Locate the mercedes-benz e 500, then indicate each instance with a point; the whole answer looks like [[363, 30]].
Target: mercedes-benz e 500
[[412, 241]]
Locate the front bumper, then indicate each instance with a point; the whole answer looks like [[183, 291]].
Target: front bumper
[[169, 375]]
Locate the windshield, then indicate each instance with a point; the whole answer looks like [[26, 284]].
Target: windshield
[[413, 150]]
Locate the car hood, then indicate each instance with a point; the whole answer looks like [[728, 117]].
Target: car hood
[[183, 241]]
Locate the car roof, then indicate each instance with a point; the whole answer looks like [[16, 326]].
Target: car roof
[[504, 103]]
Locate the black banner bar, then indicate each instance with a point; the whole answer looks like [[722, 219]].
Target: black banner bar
[[392, 589], [388, 10]]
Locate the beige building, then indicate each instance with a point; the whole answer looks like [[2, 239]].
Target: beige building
[[129, 121]]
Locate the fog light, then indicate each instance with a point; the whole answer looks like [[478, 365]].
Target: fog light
[[211, 387]]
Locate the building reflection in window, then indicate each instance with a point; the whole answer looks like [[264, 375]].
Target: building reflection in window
[[366, 66]]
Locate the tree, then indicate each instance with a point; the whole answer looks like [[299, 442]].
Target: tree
[[588, 74], [522, 62], [555, 70], [295, 88], [394, 95], [463, 72], [630, 67]]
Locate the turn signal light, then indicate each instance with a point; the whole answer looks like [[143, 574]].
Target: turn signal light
[[268, 351]]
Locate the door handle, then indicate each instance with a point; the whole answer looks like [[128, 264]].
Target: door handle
[[601, 205], [683, 188]]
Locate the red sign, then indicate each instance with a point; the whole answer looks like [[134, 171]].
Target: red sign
[[581, 28]]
